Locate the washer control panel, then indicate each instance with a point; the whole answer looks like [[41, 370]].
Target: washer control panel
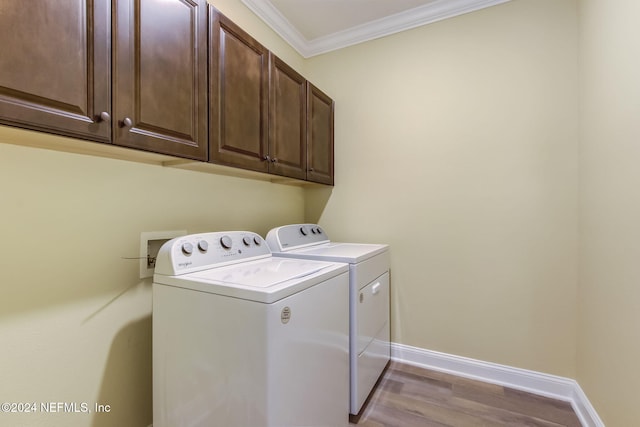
[[293, 236], [195, 252]]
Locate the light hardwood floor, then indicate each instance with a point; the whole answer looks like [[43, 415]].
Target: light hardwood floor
[[409, 396]]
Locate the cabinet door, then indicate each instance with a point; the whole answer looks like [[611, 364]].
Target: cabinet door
[[287, 120], [55, 67], [160, 76], [320, 112], [239, 78]]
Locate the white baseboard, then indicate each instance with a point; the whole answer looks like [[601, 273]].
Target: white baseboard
[[533, 382]]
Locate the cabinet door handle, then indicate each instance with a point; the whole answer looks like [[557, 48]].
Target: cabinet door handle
[[267, 158], [274, 160], [104, 117], [127, 122]]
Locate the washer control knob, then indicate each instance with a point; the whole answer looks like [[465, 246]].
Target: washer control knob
[[304, 230], [203, 245], [246, 240], [257, 241], [226, 242], [187, 248]]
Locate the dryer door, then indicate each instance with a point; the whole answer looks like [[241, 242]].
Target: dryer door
[[373, 336], [373, 310]]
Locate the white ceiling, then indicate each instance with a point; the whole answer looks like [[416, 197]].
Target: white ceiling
[[313, 27]]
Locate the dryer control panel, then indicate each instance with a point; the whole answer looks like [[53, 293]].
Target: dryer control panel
[[295, 236], [196, 252]]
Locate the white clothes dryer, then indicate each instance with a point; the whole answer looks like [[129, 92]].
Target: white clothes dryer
[[369, 325], [241, 338]]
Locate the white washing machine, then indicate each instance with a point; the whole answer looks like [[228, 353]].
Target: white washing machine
[[369, 331], [244, 339]]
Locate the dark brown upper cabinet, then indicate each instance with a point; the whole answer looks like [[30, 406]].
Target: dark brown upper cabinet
[[56, 72], [160, 76], [239, 91], [263, 115], [55, 67], [168, 76], [287, 120], [320, 113]]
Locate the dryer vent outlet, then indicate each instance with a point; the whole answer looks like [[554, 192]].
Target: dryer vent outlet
[[150, 244]]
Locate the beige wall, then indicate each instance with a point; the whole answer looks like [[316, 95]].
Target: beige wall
[[457, 144], [75, 319], [609, 297]]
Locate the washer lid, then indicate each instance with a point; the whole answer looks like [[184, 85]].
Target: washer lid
[[263, 274], [266, 280], [351, 253]]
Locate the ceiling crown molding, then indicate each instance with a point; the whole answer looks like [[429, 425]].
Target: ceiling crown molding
[[412, 18]]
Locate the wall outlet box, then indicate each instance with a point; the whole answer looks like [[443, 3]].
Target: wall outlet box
[[150, 243]]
